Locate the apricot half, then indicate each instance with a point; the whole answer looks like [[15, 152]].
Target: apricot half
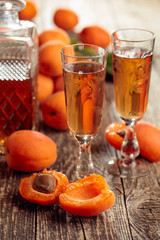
[[89, 196], [30, 151], [29, 193]]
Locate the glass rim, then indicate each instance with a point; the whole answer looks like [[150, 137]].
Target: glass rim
[[85, 57], [10, 5], [133, 29]]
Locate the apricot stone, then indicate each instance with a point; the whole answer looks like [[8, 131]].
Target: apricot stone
[[30, 151]]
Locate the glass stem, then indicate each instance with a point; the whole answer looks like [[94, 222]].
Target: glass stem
[[130, 147], [85, 164]]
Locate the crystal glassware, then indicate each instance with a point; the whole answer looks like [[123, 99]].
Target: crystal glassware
[[84, 70], [18, 71], [132, 59]]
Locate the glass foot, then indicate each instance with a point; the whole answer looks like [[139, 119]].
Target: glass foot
[[83, 172], [136, 169]]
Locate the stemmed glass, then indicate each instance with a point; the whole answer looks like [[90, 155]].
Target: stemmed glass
[[132, 59], [84, 70]]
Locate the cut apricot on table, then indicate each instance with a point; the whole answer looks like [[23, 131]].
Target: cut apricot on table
[[112, 135], [89, 196], [148, 137], [29, 193]]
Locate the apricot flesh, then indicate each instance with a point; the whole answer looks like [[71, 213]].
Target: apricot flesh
[[87, 197], [30, 151]]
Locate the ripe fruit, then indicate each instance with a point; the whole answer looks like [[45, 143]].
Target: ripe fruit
[[95, 35], [54, 34], [87, 197], [30, 10], [66, 19], [54, 111], [29, 193], [112, 136], [50, 58], [58, 83], [148, 137], [45, 87], [30, 151]]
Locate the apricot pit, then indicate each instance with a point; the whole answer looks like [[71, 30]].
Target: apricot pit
[[44, 182]]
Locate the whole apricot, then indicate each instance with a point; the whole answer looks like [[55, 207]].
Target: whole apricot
[[54, 111], [54, 34], [66, 19], [30, 10], [30, 151], [58, 83], [50, 58], [95, 35], [45, 87]]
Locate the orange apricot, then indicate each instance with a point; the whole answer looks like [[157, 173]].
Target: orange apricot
[[29, 193], [45, 87], [58, 83], [87, 197], [50, 58], [148, 137], [30, 10], [54, 111], [54, 34], [66, 19], [29, 151], [88, 116], [95, 35]]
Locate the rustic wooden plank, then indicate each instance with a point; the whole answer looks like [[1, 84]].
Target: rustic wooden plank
[[17, 218]]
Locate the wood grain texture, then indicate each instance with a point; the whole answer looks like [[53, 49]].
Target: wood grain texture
[[136, 212]]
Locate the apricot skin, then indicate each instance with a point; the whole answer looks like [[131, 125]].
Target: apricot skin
[[30, 151], [65, 18], [148, 137], [50, 58], [95, 35], [54, 111]]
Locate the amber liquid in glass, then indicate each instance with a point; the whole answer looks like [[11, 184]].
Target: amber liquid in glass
[[131, 75], [84, 87], [17, 108]]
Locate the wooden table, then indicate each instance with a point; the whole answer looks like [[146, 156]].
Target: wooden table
[[136, 212]]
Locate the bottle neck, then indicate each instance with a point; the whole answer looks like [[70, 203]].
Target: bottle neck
[[9, 18]]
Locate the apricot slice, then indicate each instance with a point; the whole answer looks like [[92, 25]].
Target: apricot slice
[[30, 151], [87, 197], [29, 193], [88, 116]]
